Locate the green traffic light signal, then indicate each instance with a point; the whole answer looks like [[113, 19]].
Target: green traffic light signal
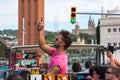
[[73, 20], [73, 15]]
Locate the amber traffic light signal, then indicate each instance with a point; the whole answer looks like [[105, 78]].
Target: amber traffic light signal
[[73, 15]]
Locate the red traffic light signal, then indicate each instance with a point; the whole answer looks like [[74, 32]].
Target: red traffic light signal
[[73, 15], [73, 9]]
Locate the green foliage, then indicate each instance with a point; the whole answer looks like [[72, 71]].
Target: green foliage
[[86, 37], [50, 36], [4, 50], [48, 42], [9, 32], [1, 51], [74, 37]]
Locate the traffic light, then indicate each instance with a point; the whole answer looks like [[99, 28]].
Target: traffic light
[[73, 15]]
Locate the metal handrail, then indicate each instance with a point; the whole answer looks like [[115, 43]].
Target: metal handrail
[[5, 73], [1, 72]]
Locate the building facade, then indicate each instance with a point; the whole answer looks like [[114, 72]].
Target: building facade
[[110, 29], [29, 13], [91, 28]]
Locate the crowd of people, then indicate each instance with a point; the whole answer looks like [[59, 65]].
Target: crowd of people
[[98, 72], [94, 72], [59, 61], [111, 72]]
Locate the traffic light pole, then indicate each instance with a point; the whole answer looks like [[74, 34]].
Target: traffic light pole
[[74, 13], [95, 13]]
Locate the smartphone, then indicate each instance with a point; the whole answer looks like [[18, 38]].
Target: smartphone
[[111, 48]]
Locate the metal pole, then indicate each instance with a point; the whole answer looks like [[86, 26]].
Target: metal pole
[[95, 13], [23, 32], [103, 57]]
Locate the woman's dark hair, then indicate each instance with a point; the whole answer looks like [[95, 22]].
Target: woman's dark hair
[[100, 70], [115, 70], [15, 77], [76, 67], [88, 64], [73, 76], [25, 74], [66, 38]]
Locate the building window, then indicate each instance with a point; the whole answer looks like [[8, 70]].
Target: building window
[[114, 44], [119, 29], [109, 30], [114, 30], [109, 44]]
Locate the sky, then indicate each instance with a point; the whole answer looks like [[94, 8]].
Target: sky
[[57, 13]]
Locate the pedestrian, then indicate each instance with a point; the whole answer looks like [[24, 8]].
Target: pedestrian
[[76, 67], [59, 60], [112, 73], [98, 72], [88, 65], [113, 60]]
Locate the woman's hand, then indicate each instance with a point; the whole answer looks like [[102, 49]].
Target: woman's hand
[[109, 54]]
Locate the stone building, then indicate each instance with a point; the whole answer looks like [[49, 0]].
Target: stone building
[[91, 28], [110, 31], [110, 28]]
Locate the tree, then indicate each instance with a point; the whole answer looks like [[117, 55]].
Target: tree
[[98, 32], [50, 37], [88, 38], [74, 37], [4, 52]]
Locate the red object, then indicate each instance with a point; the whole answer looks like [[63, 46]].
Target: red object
[[12, 61], [38, 58], [19, 56]]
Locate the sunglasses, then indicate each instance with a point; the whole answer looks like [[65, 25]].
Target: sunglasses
[[57, 39], [108, 72]]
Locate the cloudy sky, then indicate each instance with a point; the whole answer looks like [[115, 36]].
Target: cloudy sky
[[57, 13]]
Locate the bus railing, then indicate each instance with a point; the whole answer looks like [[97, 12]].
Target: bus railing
[[5, 73], [69, 76]]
